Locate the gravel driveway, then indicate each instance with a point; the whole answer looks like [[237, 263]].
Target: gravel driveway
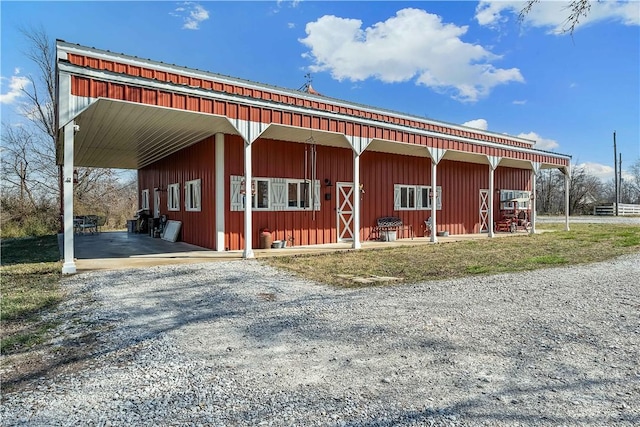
[[239, 343]]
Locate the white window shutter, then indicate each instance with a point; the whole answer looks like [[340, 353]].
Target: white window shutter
[[197, 195], [278, 194], [236, 197], [418, 197], [316, 195], [439, 198], [396, 197]]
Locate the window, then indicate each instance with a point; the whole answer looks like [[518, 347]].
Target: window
[[414, 197], [261, 194], [514, 199], [173, 197], [144, 201], [424, 197], [275, 194], [192, 195], [298, 195]]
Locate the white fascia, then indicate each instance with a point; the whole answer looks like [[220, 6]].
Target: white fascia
[[143, 82]]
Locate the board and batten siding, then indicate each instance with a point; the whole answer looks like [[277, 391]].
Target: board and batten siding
[[460, 183]]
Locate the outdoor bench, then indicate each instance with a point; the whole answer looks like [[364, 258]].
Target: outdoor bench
[[387, 224]]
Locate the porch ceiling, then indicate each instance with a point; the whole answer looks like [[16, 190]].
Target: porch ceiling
[[126, 135], [384, 146], [297, 134]]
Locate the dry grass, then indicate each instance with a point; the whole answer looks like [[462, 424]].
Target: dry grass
[[585, 243]]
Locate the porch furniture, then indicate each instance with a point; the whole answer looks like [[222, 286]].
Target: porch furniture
[[427, 227], [89, 224], [512, 222], [387, 224]]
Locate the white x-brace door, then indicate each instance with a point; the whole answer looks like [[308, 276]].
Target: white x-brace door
[[344, 201], [484, 211]]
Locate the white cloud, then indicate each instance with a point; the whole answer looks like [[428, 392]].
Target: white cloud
[[553, 14], [290, 3], [598, 170], [519, 101], [412, 45], [192, 14], [16, 84], [477, 123], [291, 25], [540, 142]]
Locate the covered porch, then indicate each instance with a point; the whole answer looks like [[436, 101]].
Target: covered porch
[[117, 250]]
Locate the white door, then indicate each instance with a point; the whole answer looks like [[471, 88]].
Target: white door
[[484, 211], [344, 201], [156, 203]]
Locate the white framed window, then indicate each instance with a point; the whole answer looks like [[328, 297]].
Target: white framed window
[[173, 197], [298, 194], [192, 195], [144, 199], [514, 199], [414, 197], [261, 194], [424, 197], [275, 194]]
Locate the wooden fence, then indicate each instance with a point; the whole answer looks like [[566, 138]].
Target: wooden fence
[[623, 209]]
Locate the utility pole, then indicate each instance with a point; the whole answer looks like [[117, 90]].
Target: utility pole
[[615, 173], [620, 178]]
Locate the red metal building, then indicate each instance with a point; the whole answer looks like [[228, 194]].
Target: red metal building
[[229, 157]]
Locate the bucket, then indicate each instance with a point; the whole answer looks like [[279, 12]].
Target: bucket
[[389, 236], [277, 244]]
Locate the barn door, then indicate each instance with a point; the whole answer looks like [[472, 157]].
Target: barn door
[[484, 211], [344, 201]]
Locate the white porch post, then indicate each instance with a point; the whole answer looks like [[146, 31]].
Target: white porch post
[[356, 200], [436, 155], [219, 198], [493, 165], [534, 174], [491, 201], [567, 183], [434, 200], [248, 226], [69, 266]]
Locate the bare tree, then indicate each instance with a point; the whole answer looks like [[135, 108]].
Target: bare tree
[[578, 9], [585, 190], [31, 152], [634, 182]]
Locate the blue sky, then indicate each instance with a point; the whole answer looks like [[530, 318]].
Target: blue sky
[[460, 62]]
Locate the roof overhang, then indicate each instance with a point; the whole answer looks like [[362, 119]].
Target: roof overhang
[[128, 135]]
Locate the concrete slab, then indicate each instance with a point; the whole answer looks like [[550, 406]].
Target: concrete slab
[[112, 250]]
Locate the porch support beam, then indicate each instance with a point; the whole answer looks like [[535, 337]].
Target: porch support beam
[[494, 161], [356, 200], [567, 184], [69, 266], [535, 168], [248, 226], [436, 155], [219, 191]]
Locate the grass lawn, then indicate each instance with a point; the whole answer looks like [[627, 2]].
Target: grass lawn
[[30, 276], [585, 243]]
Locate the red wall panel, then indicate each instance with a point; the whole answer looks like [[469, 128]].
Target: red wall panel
[[277, 159], [194, 162]]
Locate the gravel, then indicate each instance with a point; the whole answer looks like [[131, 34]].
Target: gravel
[[240, 343]]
